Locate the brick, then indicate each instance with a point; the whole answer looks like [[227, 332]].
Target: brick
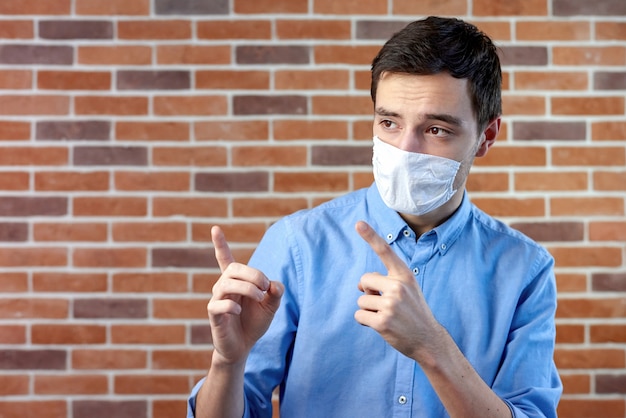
[[153, 80], [33, 206], [11, 334], [201, 334], [73, 130], [589, 358], [609, 130], [587, 206], [33, 156], [110, 105], [270, 6], [232, 29], [583, 408], [180, 308], [589, 156], [110, 308], [35, 7], [610, 30], [33, 360], [17, 29], [13, 282], [380, 29], [340, 54], [254, 181], [203, 283], [153, 384], [18, 409], [587, 106], [312, 80], [607, 180], [515, 8], [152, 181], [71, 384], [251, 156], [551, 181], [511, 207], [189, 156], [16, 79], [181, 359], [169, 408], [571, 282], [34, 105], [148, 334], [523, 55], [603, 333], [551, 30], [269, 105], [19, 54], [587, 256], [607, 231], [313, 29], [109, 359], [523, 105], [169, 282], [540, 130], [67, 334], [74, 80], [14, 181], [347, 105], [109, 257], [552, 231], [271, 207], [149, 232], [332, 155], [114, 55], [296, 129], [222, 79], [232, 130], [570, 334], [152, 131], [272, 54], [113, 206], [430, 8], [71, 181], [485, 182], [191, 7], [590, 55], [14, 385], [608, 282], [577, 383], [585, 8], [107, 408], [182, 257], [606, 383], [311, 182], [154, 29], [110, 156], [190, 105], [69, 282], [363, 81], [609, 80], [75, 29], [113, 7], [551, 80], [189, 206], [193, 54], [350, 7], [13, 232], [235, 232]]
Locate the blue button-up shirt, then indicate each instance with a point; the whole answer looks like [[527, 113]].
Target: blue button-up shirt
[[492, 288]]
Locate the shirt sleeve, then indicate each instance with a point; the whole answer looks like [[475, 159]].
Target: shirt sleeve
[[528, 380]]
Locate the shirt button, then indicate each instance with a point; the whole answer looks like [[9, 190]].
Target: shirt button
[[389, 236], [407, 233], [444, 246], [416, 271], [402, 400]]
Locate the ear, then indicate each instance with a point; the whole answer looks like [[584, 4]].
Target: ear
[[488, 137]]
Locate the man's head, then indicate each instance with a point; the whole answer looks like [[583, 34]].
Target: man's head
[[446, 45]]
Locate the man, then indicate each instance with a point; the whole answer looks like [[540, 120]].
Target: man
[[430, 308]]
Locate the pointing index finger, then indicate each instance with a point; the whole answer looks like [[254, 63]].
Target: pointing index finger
[[395, 266], [222, 250]]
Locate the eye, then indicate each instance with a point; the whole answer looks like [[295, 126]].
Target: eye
[[437, 131], [387, 124]]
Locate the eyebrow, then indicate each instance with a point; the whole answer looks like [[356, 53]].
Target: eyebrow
[[444, 117]]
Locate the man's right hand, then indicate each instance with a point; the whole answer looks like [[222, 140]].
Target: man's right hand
[[242, 307]]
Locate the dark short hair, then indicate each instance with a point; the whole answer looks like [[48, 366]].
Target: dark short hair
[[437, 45]]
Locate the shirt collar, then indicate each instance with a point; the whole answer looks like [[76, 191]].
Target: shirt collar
[[390, 224]]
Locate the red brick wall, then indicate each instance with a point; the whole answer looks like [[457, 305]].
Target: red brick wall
[[129, 127]]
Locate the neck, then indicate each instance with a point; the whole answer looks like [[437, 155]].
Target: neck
[[423, 223]]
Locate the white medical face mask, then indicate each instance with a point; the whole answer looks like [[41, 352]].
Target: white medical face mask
[[412, 183]]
